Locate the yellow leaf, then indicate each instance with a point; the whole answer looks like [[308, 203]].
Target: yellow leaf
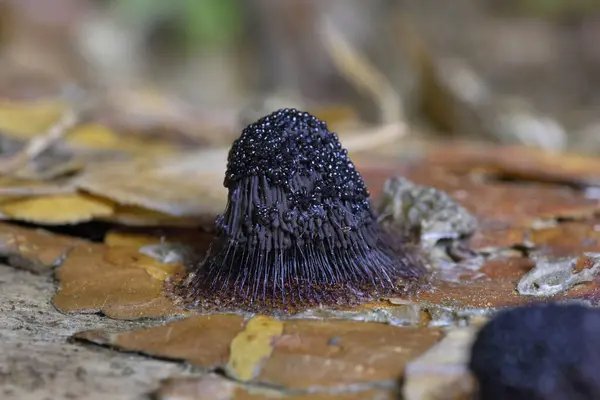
[[23, 120], [96, 136], [252, 346], [57, 209]]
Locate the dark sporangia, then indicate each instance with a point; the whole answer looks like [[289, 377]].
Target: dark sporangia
[[544, 352], [298, 229]]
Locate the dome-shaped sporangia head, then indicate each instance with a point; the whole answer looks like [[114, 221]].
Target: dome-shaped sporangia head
[[298, 230]]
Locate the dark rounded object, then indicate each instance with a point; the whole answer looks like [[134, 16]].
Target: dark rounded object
[[539, 352], [298, 229]]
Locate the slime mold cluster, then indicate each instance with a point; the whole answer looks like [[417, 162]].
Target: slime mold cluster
[[298, 229]]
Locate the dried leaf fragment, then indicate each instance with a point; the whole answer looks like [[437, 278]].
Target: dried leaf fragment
[[117, 281], [490, 239], [568, 238], [506, 205], [57, 209], [203, 341], [519, 162], [34, 249], [309, 355], [252, 346], [188, 184], [333, 353]]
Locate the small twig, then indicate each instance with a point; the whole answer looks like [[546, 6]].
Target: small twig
[[372, 137], [361, 73], [41, 143], [81, 104]]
